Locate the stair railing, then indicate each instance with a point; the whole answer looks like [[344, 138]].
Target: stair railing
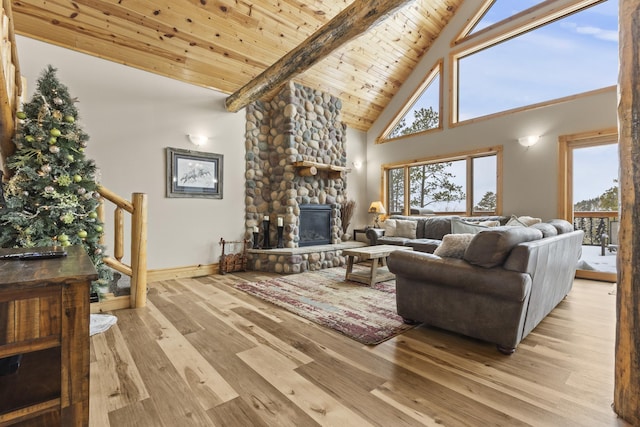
[[137, 271]]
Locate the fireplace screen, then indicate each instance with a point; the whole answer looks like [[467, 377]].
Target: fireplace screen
[[315, 225]]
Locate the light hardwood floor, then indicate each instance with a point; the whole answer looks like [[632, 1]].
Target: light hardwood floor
[[204, 354]]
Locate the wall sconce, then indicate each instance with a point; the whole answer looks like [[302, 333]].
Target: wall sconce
[[357, 164], [378, 209], [198, 140], [528, 141]]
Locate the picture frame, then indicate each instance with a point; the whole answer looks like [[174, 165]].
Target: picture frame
[[194, 174]]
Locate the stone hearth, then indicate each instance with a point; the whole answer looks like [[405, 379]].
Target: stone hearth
[[299, 260], [298, 125]]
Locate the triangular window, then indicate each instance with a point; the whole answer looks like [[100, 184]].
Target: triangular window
[[422, 111], [499, 10]]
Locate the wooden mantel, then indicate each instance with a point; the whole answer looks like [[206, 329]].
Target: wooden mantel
[[307, 168]]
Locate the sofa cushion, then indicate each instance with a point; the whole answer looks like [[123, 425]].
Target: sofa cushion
[[424, 245], [454, 245], [406, 228], [548, 230], [389, 227], [394, 240], [436, 227], [490, 248], [459, 226], [522, 221], [562, 225]]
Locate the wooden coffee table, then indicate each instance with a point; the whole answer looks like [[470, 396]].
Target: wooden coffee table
[[378, 256]]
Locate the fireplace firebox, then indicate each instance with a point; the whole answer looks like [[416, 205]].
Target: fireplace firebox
[[315, 225]]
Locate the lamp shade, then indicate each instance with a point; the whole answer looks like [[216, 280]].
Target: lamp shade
[[377, 207]]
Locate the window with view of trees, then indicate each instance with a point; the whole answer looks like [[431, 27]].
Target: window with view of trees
[[422, 112], [443, 185], [595, 192], [550, 57]]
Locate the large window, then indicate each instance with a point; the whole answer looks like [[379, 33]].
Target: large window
[[466, 183], [563, 54]]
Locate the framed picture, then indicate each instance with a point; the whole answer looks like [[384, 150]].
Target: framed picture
[[194, 174]]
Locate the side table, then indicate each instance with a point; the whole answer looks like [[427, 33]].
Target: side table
[[359, 230]]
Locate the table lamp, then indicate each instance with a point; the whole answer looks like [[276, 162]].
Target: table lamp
[[378, 209]]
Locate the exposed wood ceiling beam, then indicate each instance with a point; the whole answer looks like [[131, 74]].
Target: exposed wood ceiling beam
[[356, 19]]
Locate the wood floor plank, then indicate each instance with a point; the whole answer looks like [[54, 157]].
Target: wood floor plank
[[349, 386], [206, 384], [139, 414], [219, 344], [280, 372], [205, 354], [169, 394], [118, 377], [236, 412]]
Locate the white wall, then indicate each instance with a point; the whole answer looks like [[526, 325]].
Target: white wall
[[530, 176], [131, 116]]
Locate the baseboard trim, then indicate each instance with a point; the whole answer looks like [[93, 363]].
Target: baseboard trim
[[182, 272], [111, 303]]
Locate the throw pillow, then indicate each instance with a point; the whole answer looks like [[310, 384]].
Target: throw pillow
[[491, 248], [406, 228], [514, 222], [453, 245], [562, 226], [529, 220], [548, 230], [522, 221], [389, 227], [490, 223], [459, 226]]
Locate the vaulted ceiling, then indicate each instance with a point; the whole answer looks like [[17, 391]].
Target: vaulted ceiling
[[224, 44]]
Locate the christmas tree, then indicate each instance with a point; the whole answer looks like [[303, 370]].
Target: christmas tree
[[51, 198]]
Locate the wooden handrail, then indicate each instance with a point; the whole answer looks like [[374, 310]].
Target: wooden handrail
[[137, 271], [595, 214]]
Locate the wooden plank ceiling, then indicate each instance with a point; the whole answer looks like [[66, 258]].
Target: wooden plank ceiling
[[224, 44]]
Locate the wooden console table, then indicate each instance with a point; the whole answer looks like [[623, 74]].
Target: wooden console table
[[378, 256], [44, 316]]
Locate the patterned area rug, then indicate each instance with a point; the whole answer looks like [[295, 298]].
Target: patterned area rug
[[366, 314]]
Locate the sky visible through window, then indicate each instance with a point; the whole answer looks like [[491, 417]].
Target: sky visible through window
[[573, 55], [576, 54], [503, 9], [594, 171]]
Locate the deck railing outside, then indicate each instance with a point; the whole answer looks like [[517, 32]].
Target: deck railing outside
[[596, 226]]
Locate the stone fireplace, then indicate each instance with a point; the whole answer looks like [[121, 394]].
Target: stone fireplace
[[295, 157]]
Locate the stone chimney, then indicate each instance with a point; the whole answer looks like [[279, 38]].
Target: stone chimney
[[298, 125]]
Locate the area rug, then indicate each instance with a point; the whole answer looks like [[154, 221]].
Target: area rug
[[366, 314]]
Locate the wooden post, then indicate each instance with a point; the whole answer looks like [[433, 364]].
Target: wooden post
[[139, 251], [118, 233], [626, 400]]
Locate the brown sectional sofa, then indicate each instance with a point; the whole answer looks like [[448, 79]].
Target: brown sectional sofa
[[504, 283]]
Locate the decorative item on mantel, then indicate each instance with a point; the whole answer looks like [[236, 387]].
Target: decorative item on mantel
[[256, 238], [230, 262], [378, 209], [266, 244], [280, 231]]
